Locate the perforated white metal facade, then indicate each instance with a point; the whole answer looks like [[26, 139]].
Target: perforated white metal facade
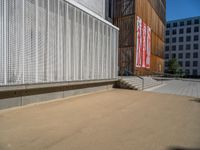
[[44, 41]]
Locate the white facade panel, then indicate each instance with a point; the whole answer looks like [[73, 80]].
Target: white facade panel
[[54, 41]]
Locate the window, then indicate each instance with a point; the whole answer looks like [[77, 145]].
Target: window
[[173, 55], [195, 55], [196, 38], [174, 40], [188, 38], [166, 64], [188, 47], [187, 72], [167, 48], [187, 55], [187, 64], [110, 9], [196, 29], [167, 40], [174, 47], [180, 55], [180, 39], [167, 32], [174, 31], [166, 56], [180, 63], [175, 24], [196, 46], [181, 31], [188, 30], [181, 23], [195, 63], [196, 21], [168, 25], [180, 47], [189, 22], [194, 72]]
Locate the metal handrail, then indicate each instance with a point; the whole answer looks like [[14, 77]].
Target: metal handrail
[[142, 80]]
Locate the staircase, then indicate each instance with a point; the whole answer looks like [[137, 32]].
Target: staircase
[[136, 83]]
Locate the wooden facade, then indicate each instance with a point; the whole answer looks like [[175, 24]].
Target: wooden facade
[[152, 12]]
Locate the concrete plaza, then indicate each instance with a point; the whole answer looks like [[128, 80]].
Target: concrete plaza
[[111, 120], [179, 87]]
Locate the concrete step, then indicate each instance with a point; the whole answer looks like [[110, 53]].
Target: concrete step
[[148, 86], [136, 83]]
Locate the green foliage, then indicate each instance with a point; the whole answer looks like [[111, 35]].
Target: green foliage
[[173, 66]]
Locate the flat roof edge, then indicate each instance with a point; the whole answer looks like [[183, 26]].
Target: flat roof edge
[[182, 19]]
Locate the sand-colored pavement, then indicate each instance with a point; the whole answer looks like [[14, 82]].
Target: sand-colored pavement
[[112, 120]]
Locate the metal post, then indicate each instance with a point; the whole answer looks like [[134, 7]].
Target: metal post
[[23, 14], [82, 47], [36, 43], [5, 43], [142, 84], [47, 55]]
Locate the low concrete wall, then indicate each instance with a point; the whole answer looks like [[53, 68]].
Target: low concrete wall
[[15, 96]]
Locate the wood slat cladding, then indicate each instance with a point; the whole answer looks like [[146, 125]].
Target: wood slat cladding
[[160, 8], [126, 24], [124, 19], [148, 14], [152, 12], [126, 59], [123, 8]]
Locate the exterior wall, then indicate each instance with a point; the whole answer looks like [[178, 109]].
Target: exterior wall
[[152, 12], [54, 41], [124, 19], [97, 6], [174, 41]]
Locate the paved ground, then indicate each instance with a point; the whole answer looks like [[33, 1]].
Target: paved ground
[[113, 120], [179, 87]]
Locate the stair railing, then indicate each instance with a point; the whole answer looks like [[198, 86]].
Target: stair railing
[[141, 79], [132, 74]]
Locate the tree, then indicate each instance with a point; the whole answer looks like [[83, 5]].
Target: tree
[[173, 66]]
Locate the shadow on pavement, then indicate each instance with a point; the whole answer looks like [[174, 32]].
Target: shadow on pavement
[[196, 100], [182, 148]]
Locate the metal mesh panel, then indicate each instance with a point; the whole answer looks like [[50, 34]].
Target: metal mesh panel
[[1, 42], [53, 41], [29, 41], [42, 40]]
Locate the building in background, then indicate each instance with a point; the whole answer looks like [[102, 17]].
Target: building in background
[[183, 43], [141, 36], [47, 41]]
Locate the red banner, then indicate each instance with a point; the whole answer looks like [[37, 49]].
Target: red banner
[[139, 42], [148, 56], [144, 44], [143, 47]]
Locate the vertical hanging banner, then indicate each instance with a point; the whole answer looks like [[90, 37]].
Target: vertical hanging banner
[[144, 44], [139, 42], [143, 47], [148, 56]]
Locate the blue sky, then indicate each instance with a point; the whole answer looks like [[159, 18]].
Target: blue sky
[[178, 9]]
